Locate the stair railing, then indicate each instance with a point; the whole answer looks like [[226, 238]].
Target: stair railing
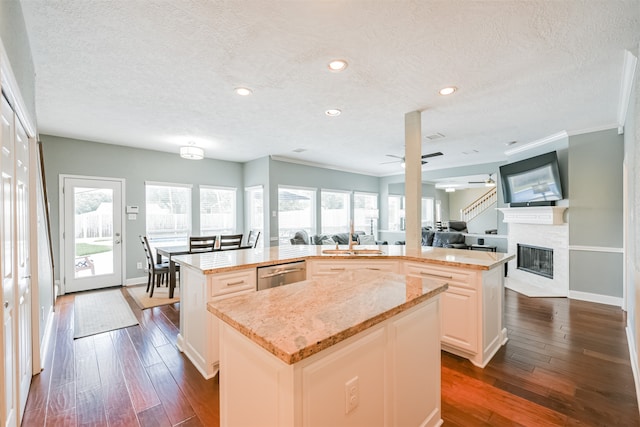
[[479, 205]]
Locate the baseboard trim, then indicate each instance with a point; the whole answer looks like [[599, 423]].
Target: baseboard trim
[[634, 361], [47, 337], [136, 281], [602, 299]]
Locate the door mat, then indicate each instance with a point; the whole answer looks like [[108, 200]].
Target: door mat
[[102, 311]]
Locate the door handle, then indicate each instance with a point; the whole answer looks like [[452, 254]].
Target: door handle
[[6, 304], [117, 242]]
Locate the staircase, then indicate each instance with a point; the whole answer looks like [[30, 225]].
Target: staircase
[[479, 205]]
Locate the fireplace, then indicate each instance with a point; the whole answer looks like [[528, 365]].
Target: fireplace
[[536, 260]]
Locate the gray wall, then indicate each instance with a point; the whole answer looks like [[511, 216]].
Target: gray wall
[[74, 157], [16, 43], [596, 211], [298, 175], [256, 173]]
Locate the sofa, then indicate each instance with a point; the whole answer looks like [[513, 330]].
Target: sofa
[[441, 239], [301, 237]]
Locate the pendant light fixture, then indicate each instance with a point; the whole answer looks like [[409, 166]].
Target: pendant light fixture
[[191, 152]]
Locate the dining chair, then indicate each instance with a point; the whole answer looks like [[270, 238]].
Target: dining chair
[[157, 272], [230, 241], [202, 243], [252, 240]]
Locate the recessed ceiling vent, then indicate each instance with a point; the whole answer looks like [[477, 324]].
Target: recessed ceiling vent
[[434, 136], [299, 150]]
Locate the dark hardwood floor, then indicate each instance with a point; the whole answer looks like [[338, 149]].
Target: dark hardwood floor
[[566, 363]]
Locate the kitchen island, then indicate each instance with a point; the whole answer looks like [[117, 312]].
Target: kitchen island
[[471, 308], [358, 348]]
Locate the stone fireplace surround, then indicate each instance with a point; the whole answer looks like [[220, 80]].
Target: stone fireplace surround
[[543, 227]]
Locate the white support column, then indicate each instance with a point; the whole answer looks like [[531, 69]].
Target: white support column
[[413, 178]]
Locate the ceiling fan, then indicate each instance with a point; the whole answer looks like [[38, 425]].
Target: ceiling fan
[[489, 182], [401, 159]]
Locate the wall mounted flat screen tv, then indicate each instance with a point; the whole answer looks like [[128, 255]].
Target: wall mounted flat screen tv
[[532, 182]]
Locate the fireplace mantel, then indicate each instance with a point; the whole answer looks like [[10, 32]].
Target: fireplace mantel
[[550, 215]]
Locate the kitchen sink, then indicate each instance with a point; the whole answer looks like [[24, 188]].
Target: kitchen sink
[[352, 251]]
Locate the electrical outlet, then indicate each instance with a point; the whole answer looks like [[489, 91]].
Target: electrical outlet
[[352, 394], [139, 266]]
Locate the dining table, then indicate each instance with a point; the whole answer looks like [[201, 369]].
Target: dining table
[[169, 252]]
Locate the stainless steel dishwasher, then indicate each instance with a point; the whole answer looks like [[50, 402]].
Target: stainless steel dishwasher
[[281, 274]]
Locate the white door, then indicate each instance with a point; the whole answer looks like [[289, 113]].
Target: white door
[[23, 263], [7, 266], [92, 233]]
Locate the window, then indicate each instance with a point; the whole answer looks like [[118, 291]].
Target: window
[[335, 212], [296, 211], [168, 213], [255, 209], [396, 213], [427, 212], [217, 210], [365, 212]]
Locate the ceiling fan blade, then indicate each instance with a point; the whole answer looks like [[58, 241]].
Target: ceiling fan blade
[[393, 161], [397, 157], [436, 154], [476, 182]]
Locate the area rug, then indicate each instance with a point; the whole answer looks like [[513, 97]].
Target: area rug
[[101, 311], [160, 296]]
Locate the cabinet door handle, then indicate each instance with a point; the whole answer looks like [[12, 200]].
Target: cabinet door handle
[[239, 282], [440, 276], [373, 268], [336, 269]]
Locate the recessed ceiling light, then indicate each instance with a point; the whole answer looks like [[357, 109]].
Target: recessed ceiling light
[[338, 65], [333, 112], [243, 91], [450, 190], [448, 90]]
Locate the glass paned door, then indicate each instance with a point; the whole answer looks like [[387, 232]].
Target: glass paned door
[[92, 234]]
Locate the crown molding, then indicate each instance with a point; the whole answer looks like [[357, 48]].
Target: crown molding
[[628, 75], [538, 143], [319, 165]]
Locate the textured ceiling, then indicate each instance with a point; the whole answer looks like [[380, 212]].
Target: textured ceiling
[[157, 74]]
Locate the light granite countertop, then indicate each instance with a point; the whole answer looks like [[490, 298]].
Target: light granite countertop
[[298, 320], [224, 261]]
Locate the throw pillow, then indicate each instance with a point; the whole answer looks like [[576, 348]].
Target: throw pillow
[[366, 239], [328, 241]]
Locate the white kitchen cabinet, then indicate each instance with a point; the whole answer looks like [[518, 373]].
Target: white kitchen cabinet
[[328, 267], [392, 369], [471, 310], [199, 330]]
